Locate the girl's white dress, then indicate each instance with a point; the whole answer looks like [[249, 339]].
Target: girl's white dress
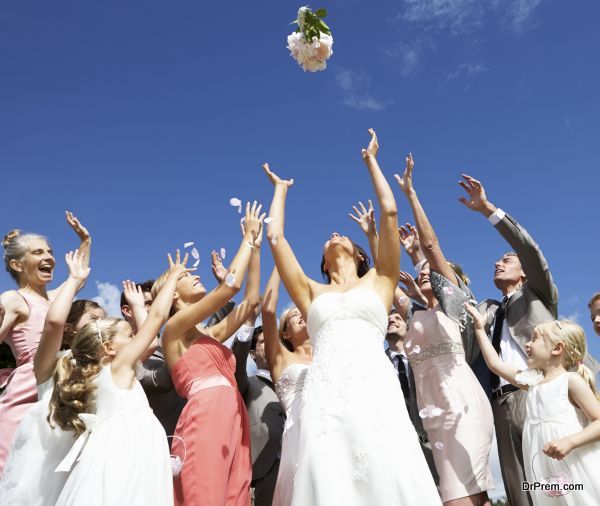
[[123, 457], [550, 416], [29, 478]]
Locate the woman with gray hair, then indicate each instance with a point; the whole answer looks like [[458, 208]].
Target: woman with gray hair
[[29, 259]]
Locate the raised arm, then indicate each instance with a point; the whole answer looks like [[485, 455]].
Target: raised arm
[[388, 264], [190, 316], [240, 313], [137, 304], [532, 260], [366, 221], [409, 238], [85, 245], [274, 349], [491, 357], [50, 341], [430, 245], [296, 282], [123, 365]]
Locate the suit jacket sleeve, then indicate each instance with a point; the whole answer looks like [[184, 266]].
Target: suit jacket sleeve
[[240, 351], [157, 380], [534, 264]]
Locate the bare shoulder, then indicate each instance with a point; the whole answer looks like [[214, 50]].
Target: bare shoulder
[[14, 303]]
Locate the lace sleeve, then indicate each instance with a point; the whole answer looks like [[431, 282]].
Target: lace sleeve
[[451, 297]]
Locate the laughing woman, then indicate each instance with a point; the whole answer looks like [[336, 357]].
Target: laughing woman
[[29, 259]]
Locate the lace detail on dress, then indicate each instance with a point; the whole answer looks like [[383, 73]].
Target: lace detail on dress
[[290, 384], [451, 297]]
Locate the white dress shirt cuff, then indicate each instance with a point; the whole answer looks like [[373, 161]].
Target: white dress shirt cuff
[[420, 265], [496, 216], [244, 334]]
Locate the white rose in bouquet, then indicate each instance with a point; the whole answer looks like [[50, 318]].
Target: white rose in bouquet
[[311, 44]]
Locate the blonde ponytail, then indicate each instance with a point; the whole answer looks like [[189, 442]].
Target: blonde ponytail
[[74, 375]]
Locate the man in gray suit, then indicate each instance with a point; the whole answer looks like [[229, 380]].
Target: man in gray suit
[[530, 297], [265, 414], [396, 333], [156, 381]]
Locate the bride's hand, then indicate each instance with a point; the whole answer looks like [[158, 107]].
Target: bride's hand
[[372, 148], [275, 179]]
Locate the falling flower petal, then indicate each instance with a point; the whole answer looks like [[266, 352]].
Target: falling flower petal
[[274, 240], [408, 344], [222, 253], [195, 264], [402, 300], [268, 220], [230, 279], [423, 413], [417, 326], [448, 290], [195, 253], [235, 202], [188, 244], [416, 349], [176, 465], [435, 412], [439, 445]]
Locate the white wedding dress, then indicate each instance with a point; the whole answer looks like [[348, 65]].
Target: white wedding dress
[[289, 390], [357, 443]]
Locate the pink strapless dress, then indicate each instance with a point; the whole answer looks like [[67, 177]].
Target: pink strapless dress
[[212, 434], [21, 391]]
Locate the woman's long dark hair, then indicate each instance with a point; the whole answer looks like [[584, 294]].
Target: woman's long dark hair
[[362, 268]]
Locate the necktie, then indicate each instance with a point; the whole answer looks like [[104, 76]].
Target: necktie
[[402, 376], [497, 336]]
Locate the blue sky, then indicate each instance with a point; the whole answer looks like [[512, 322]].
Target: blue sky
[[144, 118]]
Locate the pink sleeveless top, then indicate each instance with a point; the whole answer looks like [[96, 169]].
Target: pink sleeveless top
[[21, 391]]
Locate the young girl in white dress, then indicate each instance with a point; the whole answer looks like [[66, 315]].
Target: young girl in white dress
[[121, 455], [37, 447], [561, 436]]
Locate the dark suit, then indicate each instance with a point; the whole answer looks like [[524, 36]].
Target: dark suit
[[162, 396], [266, 418], [535, 302], [413, 413]]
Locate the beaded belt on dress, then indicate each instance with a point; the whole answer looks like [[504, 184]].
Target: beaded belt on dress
[[434, 350], [200, 384]]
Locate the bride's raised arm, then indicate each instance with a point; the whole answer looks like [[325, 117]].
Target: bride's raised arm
[[296, 282], [387, 263]]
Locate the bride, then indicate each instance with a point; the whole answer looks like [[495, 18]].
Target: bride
[[357, 444]]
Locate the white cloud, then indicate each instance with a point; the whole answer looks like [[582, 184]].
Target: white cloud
[[455, 15], [467, 70], [517, 13], [406, 54], [574, 316], [354, 88], [109, 297], [463, 16]]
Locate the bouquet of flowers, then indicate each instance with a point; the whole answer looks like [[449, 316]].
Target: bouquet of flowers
[[310, 45]]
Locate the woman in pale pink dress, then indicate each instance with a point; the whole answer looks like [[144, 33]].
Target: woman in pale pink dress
[[29, 259], [455, 410]]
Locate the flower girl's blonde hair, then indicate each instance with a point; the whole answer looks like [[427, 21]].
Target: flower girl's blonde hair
[[74, 374], [573, 338]]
